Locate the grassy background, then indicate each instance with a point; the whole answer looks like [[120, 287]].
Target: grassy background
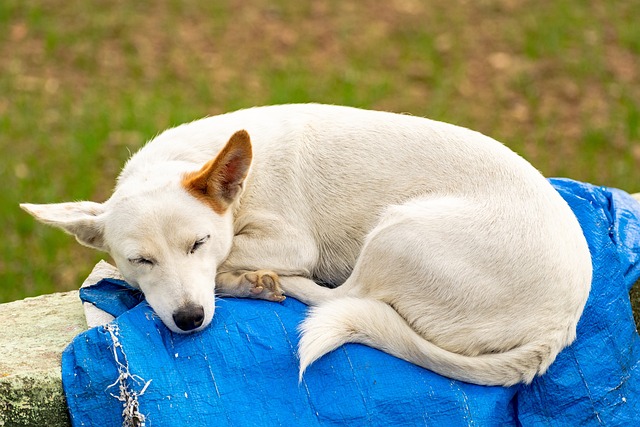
[[83, 83]]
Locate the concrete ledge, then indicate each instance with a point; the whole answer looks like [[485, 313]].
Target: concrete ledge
[[34, 332]]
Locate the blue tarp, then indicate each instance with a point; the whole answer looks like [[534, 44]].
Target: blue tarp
[[243, 369]]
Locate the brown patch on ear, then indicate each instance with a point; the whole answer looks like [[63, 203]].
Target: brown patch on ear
[[220, 180]]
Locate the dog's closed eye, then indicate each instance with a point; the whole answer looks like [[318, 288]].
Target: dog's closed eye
[[198, 243], [142, 261]]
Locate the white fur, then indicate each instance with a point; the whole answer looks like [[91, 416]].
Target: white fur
[[452, 252]]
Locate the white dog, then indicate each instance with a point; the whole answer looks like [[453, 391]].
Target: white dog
[[451, 251]]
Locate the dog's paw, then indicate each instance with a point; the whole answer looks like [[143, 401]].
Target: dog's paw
[[264, 284], [259, 284]]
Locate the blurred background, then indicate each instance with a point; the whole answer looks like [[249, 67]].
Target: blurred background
[[85, 83]]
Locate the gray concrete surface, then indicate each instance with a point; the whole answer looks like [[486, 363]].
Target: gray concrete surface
[[33, 334]]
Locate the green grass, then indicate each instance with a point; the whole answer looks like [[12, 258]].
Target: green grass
[[84, 83]]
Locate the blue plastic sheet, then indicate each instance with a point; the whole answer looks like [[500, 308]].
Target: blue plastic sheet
[[243, 370]]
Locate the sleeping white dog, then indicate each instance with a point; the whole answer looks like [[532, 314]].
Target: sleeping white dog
[[450, 251]]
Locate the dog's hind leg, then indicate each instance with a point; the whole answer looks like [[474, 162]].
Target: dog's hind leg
[[435, 285]]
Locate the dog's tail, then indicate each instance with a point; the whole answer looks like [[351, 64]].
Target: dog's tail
[[374, 323]]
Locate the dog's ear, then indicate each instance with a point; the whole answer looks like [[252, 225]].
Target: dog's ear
[[81, 219], [220, 181]]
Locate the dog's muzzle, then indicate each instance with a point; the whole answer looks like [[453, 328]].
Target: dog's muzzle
[[189, 317]]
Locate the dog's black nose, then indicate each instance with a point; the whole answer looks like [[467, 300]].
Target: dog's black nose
[[189, 317]]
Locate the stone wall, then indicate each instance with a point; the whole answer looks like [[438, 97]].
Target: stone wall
[[33, 334]]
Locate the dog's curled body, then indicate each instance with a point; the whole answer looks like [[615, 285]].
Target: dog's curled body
[[450, 250]]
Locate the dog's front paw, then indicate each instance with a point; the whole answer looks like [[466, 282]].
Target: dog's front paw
[[259, 284], [264, 284]]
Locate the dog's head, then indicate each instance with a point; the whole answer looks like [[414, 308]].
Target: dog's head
[[167, 229]]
